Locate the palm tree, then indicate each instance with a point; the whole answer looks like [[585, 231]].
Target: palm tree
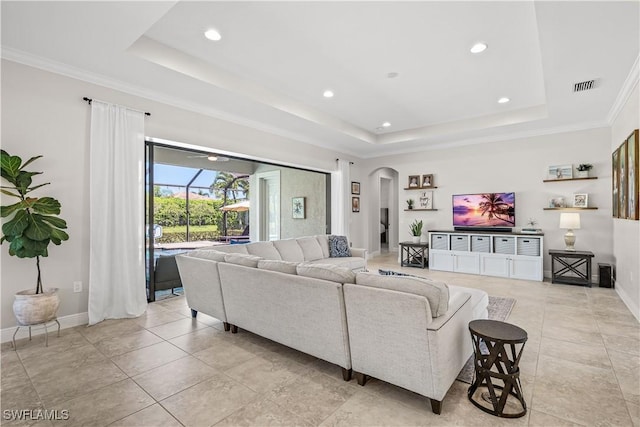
[[495, 207], [226, 183]]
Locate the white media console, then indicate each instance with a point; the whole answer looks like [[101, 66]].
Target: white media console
[[514, 255]]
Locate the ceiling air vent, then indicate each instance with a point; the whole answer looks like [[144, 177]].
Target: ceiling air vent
[[582, 86]]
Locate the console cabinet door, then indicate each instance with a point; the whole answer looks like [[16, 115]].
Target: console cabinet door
[[440, 260], [492, 265], [466, 262], [525, 267]]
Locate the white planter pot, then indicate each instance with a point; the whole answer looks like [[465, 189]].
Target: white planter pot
[[416, 239], [583, 174], [31, 308]]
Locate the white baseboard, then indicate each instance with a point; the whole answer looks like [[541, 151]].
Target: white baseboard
[[65, 322], [635, 310]]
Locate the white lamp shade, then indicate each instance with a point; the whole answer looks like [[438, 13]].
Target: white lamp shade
[[570, 221]]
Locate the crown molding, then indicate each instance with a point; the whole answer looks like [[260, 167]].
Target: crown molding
[[629, 85], [48, 65], [495, 138]]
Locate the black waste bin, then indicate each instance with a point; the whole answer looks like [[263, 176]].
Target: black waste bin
[[605, 271]]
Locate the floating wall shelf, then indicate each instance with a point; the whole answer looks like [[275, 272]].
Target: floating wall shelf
[[569, 209], [569, 179], [411, 210]]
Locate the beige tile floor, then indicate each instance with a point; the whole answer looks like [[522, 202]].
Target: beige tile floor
[[581, 366]]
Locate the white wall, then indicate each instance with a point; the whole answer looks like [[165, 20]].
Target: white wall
[[626, 233], [43, 113], [520, 166]]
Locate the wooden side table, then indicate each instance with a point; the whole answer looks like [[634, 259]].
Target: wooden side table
[[571, 267], [497, 348], [414, 254]]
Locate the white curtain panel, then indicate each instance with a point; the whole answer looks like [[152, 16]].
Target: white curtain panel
[[340, 203], [117, 286]]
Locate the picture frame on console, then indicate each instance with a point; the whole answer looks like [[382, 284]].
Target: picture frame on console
[[560, 172]]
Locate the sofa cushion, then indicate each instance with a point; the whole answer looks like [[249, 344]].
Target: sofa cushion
[[212, 255], [289, 250], [353, 263], [242, 259], [326, 272], [310, 248], [339, 246], [323, 240], [265, 250], [287, 267], [232, 249], [437, 293]]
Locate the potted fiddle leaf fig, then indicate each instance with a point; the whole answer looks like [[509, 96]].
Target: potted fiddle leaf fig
[[32, 223]]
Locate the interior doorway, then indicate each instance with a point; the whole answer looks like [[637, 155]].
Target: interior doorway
[[384, 219]]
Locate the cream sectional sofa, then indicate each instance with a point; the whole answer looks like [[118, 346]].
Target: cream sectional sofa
[[411, 332]]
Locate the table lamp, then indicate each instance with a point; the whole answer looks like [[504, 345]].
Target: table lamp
[[570, 222]]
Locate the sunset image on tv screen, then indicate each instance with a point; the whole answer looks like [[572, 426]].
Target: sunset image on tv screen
[[488, 209]]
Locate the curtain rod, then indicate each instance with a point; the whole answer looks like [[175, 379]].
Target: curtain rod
[[89, 100]]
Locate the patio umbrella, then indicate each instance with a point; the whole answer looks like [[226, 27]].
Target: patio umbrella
[[237, 207]]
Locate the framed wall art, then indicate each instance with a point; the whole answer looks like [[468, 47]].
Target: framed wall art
[[615, 183], [425, 201], [355, 187], [580, 200], [622, 178], [560, 172], [355, 204], [632, 176], [298, 208], [427, 181], [414, 181]]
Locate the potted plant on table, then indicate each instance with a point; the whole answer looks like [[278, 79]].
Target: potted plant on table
[[32, 224], [416, 230], [409, 203], [583, 170]]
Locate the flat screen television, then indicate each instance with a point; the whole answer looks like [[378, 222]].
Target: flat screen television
[[485, 210]]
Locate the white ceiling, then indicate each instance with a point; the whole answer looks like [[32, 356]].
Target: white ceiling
[[275, 60]]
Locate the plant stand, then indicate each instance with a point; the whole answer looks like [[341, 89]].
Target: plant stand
[[46, 332]]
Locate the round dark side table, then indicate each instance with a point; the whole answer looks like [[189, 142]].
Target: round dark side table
[[497, 348]]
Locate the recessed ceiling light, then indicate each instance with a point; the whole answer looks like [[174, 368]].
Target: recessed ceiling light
[[212, 34], [392, 75], [212, 158], [328, 94], [386, 124], [478, 47], [503, 100]]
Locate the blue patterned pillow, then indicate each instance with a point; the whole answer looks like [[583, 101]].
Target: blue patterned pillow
[[339, 247], [394, 273]]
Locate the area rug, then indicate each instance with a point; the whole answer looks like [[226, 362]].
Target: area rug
[[499, 309]]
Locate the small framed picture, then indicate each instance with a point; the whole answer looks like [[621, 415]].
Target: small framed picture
[[414, 181], [556, 202], [355, 204], [297, 208], [427, 181], [425, 201], [580, 200], [355, 187], [560, 172]]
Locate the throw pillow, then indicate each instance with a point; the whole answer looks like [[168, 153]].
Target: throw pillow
[[339, 247], [287, 267], [242, 259], [327, 272]]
